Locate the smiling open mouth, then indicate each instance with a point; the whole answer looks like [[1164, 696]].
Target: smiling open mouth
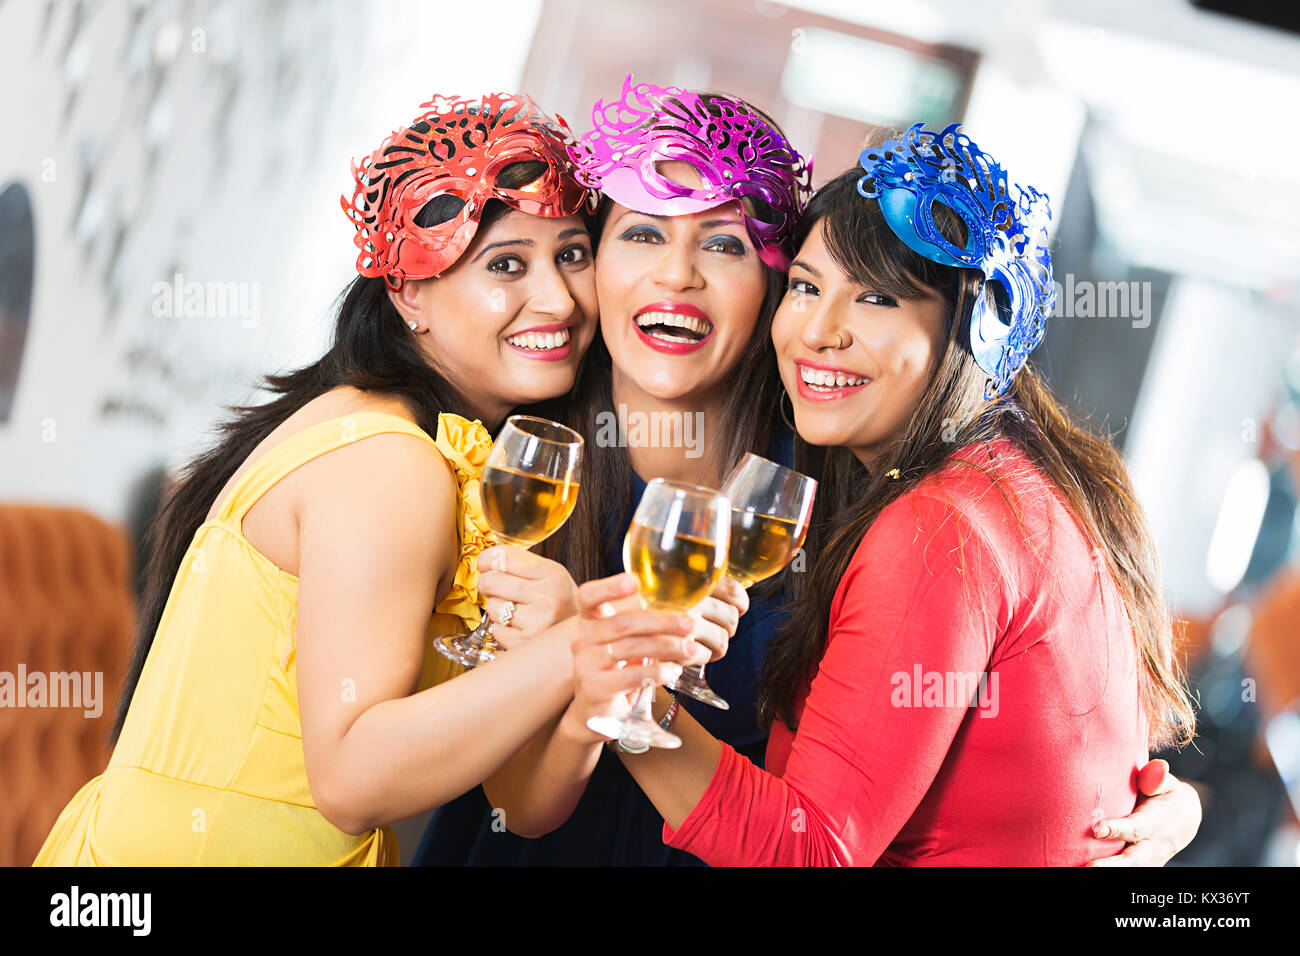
[[828, 384], [674, 328], [540, 341], [544, 344], [820, 381]]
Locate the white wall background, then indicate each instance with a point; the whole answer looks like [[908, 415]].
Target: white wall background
[[210, 138]]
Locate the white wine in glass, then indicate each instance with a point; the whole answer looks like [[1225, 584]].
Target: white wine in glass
[[676, 548], [675, 571], [761, 544], [524, 509], [529, 487], [771, 506]]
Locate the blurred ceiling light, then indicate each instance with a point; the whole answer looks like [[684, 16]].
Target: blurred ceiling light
[[1185, 151], [890, 86], [1169, 96], [1237, 529], [920, 21]]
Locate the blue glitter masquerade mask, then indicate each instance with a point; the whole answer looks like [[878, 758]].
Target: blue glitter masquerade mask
[[1007, 235]]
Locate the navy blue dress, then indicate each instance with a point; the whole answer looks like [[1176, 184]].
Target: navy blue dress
[[614, 823]]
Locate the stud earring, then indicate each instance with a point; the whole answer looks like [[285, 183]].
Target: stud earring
[[412, 325]]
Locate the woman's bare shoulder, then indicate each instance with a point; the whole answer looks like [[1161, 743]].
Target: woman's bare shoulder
[[340, 402], [393, 460], [336, 403], [389, 491]]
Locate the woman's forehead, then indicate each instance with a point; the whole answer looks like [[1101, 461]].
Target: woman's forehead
[[729, 212], [813, 250], [527, 224]]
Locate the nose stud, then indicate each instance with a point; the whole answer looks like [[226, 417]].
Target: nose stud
[[839, 336]]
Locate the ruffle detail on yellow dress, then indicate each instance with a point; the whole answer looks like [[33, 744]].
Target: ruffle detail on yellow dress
[[466, 445]]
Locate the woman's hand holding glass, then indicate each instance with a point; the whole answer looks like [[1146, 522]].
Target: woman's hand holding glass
[[717, 619], [619, 647], [537, 592], [676, 548], [528, 489]]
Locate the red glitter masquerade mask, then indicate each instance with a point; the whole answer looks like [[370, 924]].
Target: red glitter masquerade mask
[[459, 147]]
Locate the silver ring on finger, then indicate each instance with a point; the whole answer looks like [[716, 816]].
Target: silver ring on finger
[[507, 613]]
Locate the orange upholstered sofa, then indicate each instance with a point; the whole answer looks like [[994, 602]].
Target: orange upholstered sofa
[[66, 607]]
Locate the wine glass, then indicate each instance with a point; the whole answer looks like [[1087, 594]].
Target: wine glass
[[770, 509], [529, 487], [676, 548]]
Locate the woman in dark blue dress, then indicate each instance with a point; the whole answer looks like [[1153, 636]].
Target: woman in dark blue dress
[[680, 384]]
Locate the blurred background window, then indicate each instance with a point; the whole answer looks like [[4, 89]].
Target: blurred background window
[[17, 248]]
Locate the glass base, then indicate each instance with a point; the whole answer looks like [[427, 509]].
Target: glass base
[[636, 734], [468, 650], [691, 683]]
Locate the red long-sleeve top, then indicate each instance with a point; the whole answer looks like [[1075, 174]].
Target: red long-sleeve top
[[962, 576]]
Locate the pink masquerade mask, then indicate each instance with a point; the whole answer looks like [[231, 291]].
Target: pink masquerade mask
[[738, 154]]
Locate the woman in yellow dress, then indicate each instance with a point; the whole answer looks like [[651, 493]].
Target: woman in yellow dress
[[284, 704]]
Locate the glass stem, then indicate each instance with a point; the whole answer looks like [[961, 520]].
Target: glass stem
[[643, 706], [484, 636], [483, 632]]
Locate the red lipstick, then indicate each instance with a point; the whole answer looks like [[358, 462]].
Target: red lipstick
[[827, 392], [684, 328]]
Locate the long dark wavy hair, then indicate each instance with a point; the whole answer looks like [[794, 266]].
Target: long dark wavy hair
[[952, 413], [371, 350]]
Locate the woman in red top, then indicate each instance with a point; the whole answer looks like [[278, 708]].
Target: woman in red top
[[998, 656]]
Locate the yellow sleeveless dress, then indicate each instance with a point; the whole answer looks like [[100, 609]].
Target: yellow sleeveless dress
[[209, 766]]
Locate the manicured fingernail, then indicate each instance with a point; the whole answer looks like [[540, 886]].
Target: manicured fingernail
[[1101, 831], [686, 623], [689, 647], [674, 671]]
